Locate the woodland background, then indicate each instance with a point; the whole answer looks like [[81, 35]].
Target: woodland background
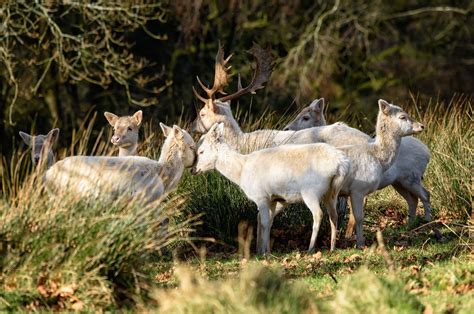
[[61, 60]]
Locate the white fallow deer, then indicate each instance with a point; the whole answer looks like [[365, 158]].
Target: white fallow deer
[[406, 174], [125, 132], [371, 159], [41, 147], [308, 117], [285, 174], [137, 177]]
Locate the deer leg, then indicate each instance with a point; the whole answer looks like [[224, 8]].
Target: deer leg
[[312, 201], [263, 209], [410, 199], [350, 223], [275, 209], [332, 211], [357, 201]]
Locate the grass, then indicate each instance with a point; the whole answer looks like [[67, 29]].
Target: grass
[[60, 253], [409, 279]]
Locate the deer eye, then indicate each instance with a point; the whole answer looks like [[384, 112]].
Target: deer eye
[[129, 128], [403, 117], [305, 118]]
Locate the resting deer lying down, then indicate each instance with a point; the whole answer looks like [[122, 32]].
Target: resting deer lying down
[[41, 147], [144, 178], [286, 174], [125, 132], [405, 175]]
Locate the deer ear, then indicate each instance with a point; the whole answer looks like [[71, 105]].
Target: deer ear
[[384, 106], [178, 133], [26, 138], [53, 135], [138, 116], [111, 118], [317, 105], [166, 129]]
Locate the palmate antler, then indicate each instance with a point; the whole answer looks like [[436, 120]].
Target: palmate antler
[[221, 76], [264, 66]]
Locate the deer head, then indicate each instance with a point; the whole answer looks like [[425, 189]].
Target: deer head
[[179, 142], [41, 146], [394, 120], [125, 131], [216, 108], [310, 116], [207, 149]]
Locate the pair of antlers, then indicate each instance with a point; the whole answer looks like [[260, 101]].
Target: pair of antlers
[[264, 66]]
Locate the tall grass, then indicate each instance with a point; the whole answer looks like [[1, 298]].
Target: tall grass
[[60, 252], [261, 289], [450, 136]]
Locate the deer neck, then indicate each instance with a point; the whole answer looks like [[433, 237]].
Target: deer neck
[[170, 167], [128, 151], [385, 147], [230, 163]]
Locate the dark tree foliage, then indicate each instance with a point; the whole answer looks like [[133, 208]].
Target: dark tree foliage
[[61, 59]]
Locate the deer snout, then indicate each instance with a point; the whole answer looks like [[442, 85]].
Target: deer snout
[[116, 139], [418, 127], [194, 171], [36, 159]]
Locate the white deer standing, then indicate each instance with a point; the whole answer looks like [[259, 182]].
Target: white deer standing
[[285, 174], [125, 132], [371, 160], [41, 147], [406, 174], [140, 177]]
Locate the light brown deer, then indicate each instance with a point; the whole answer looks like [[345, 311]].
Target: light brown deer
[[41, 147], [126, 129]]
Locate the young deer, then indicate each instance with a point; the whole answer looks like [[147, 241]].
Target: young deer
[[286, 174], [41, 147], [405, 175], [371, 159], [310, 116], [141, 177], [125, 132]]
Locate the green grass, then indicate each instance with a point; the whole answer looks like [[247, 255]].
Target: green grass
[[423, 274]]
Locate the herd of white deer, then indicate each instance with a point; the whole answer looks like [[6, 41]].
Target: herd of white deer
[[308, 161]]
